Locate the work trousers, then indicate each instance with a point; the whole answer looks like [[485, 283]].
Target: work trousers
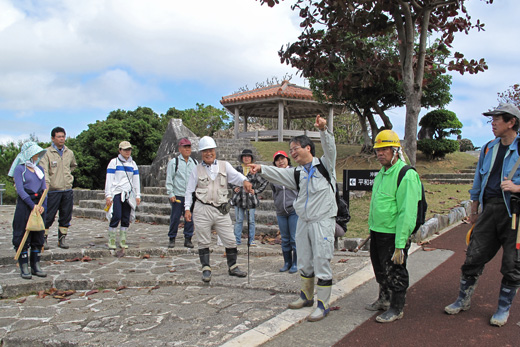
[[315, 245], [207, 218], [62, 201], [389, 275], [492, 231]]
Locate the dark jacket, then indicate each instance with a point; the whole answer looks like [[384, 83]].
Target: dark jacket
[[246, 200]]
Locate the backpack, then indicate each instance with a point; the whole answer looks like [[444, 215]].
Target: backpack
[[177, 163], [422, 205], [343, 215]]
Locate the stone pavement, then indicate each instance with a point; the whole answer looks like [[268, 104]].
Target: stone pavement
[[151, 294]]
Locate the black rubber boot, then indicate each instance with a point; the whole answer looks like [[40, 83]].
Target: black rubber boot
[[287, 259], [204, 261], [507, 294], [172, 242], [23, 262], [395, 312], [187, 242], [294, 267], [35, 264], [382, 302], [463, 302], [61, 240], [231, 255]]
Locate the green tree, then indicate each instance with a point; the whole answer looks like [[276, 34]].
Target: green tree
[[202, 120], [444, 123], [411, 21]]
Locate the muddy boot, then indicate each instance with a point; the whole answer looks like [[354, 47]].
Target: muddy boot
[[204, 261], [35, 264], [323, 294], [122, 238], [62, 233], [45, 245], [382, 302], [294, 267], [233, 270], [111, 238], [23, 262], [507, 294], [395, 311], [187, 242], [287, 259], [463, 302], [306, 294]]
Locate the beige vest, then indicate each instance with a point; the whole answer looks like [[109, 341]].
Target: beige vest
[[214, 192]]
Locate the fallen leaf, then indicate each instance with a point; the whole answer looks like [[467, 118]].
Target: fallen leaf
[[146, 256], [21, 301], [90, 292], [173, 270], [120, 288], [86, 258], [71, 260], [131, 270], [342, 260], [162, 256], [334, 308], [64, 299]]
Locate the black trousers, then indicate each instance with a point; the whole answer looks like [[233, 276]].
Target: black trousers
[[492, 231], [61, 201], [388, 275], [21, 216]]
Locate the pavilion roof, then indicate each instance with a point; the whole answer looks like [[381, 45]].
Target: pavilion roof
[[284, 90]]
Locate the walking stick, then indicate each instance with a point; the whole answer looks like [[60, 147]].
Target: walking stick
[[361, 244], [40, 203], [248, 246]]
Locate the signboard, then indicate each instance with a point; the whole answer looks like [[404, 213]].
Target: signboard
[[357, 180]]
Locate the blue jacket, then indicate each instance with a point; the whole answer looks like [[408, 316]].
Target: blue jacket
[[485, 164]]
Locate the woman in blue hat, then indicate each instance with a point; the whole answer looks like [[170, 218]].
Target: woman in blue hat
[[29, 179]]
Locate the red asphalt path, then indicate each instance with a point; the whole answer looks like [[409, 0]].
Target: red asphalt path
[[425, 323]]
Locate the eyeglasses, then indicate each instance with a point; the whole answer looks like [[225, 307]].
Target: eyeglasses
[[291, 150]]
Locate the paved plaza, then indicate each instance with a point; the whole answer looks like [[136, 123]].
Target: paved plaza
[[151, 294]]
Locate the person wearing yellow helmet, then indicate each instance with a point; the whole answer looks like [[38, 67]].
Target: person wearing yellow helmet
[[391, 220]]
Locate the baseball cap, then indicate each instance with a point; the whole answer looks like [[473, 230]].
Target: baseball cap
[[504, 108], [125, 145], [184, 142]]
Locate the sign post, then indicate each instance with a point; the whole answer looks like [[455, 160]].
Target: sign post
[[357, 180]]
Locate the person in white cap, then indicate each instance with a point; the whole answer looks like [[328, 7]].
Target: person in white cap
[[209, 181], [29, 179], [492, 191], [122, 194]]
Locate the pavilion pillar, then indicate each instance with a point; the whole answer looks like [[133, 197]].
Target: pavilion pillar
[[237, 113], [280, 121]]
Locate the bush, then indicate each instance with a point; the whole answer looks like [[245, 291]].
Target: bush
[[437, 148], [466, 145], [9, 196]]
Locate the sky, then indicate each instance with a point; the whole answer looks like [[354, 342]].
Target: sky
[[69, 63]]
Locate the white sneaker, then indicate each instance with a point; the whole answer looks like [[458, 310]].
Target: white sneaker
[[252, 244]]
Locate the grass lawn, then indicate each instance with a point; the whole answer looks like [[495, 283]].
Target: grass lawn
[[440, 197]]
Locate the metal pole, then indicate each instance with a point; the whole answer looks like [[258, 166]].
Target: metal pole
[[248, 246]]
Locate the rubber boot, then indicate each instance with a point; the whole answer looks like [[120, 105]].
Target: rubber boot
[[35, 264], [62, 233], [231, 255], [323, 309], [294, 266], [395, 311], [204, 261], [505, 299], [287, 259], [463, 302], [122, 237], [23, 262], [382, 302], [111, 238], [45, 245], [187, 242], [306, 294], [171, 244]]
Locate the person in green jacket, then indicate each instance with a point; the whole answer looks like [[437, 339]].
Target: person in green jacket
[[391, 220]]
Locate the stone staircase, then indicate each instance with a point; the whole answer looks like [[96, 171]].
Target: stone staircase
[[465, 176]]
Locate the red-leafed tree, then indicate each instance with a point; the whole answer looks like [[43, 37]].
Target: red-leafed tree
[[511, 96], [411, 21]]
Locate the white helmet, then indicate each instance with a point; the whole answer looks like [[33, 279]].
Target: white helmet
[[206, 142]]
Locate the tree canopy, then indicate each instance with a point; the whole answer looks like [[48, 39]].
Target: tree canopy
[[410, 22]]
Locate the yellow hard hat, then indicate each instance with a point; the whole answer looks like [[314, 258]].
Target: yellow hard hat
[[387, 138]]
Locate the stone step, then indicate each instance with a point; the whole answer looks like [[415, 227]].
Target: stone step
[[266, 194], [449, 176], [264, 222], [452, 181]]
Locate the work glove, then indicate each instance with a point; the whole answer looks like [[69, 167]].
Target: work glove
[[398, 257]]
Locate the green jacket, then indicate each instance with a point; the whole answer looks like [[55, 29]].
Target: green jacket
[[392, 210]]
